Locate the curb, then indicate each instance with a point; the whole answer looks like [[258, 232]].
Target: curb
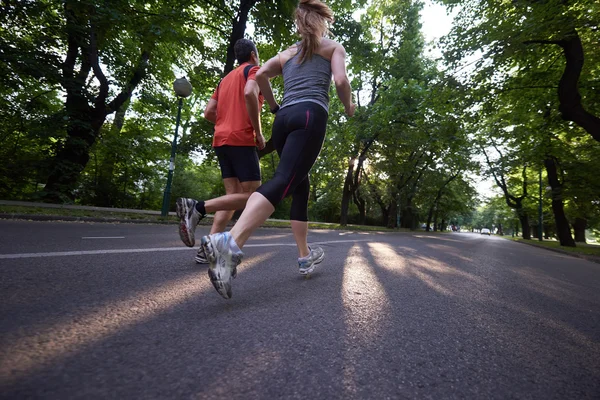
[[594, 259]]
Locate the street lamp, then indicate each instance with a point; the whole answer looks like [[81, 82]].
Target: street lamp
[[540, 212], [182, 88]]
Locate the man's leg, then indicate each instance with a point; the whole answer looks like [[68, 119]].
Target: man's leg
[[222, 217], [245, 190], [241, 192], [233, 187], [190, 211]]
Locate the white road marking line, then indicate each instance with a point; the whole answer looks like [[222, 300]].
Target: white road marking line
[[103, 237], [146, 250], [88, 252], [342, 241]]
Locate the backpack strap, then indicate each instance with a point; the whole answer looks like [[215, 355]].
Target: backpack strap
[[247, 70]]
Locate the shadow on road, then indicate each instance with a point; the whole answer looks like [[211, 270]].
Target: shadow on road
[[411, 317]]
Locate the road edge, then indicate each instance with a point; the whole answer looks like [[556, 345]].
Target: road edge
[[593, 259]]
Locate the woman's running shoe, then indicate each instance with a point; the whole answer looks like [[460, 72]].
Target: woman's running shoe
[[307, 264], [223, 256], [201, 256]]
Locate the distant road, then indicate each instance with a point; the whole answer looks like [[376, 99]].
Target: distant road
[[100, 311]]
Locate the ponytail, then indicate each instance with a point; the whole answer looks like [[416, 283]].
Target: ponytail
[[311, 20]]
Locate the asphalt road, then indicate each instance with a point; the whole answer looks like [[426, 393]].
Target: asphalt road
[[97, 311]]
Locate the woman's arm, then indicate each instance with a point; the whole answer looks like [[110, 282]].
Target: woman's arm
[[342, 84], [269, 70]]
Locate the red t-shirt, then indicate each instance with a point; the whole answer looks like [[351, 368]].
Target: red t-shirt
[[233, 126]]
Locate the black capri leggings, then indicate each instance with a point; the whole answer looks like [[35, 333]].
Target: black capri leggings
[[298, 135]]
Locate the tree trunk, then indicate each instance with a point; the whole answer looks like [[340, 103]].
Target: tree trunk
[[362, 216], [546, 231], [385, 214], [568, 91], [406, 215], [500, 230], [563, 230], [438, 196], [579, 228], [73, 155], [346, 194], [105, 186], [237, 32], [570, 105], [524, 219], [405, 218], [429, 218], [83, 120], [385, 210], [393, 209]]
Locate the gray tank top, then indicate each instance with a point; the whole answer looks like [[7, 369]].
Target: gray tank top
[[309, 81]]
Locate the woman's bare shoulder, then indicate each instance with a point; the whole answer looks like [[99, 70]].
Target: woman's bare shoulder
[[288, 53], [327, 47]]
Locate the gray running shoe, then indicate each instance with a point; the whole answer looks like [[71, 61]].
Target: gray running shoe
[[223, 258], [189, 218], [307, 264], [201, 256]]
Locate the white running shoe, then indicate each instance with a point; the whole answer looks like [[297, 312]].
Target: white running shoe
[[189, 218], [201, 256], [307, 264], [223, 258]]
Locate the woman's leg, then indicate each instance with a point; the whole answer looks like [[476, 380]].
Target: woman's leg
[[300, 150], [235, 199], [300, 230], [306, 124], [257, 210], [299, 216]]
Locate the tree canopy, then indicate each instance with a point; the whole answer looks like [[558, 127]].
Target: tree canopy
[[88, 110]]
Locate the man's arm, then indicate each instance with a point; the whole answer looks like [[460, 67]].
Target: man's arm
[[342, 84], [251, 92], [210, 112]]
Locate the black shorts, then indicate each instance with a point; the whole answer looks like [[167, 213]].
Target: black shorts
[[239, 162]]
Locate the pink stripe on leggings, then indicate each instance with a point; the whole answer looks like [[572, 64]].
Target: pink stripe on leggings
[[288, 187], [307, 118]]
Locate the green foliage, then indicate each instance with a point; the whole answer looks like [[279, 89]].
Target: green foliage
[[419, 134], [532, 69]]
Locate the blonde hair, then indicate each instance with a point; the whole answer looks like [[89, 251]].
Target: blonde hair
[[311, 20]]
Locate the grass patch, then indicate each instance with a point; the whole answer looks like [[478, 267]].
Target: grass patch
[[582, 248], [70, 212]]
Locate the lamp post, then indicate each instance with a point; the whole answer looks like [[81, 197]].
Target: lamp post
[[540, 214], [182, 88]]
